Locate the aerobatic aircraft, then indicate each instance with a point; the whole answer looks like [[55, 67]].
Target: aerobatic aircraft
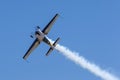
[[41, 35]]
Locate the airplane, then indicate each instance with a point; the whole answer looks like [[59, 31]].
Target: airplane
[[41, 35]]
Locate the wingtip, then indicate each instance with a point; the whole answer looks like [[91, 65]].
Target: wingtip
[[57, 14], [24, 58], [46, 54]]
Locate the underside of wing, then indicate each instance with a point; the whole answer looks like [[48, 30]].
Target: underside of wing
[[32, 47], [49, 25]]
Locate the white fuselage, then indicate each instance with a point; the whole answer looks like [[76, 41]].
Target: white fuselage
[[39, 35], [42, 37]]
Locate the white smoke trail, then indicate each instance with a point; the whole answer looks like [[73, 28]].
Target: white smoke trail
[[96, 70], [81, 61]]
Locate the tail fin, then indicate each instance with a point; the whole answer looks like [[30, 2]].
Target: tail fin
[[52, 47]]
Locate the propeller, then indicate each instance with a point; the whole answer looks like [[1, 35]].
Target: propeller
[[32, 35], [37, 27]]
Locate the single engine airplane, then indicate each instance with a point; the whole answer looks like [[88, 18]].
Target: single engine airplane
[[41, 35]]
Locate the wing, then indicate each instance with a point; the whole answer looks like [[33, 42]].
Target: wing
[[32, 47], [49, 25]]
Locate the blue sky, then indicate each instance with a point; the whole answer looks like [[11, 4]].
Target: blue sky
[[89, 27]]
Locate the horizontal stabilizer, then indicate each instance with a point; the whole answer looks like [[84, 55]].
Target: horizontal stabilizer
[[49, 51], [52, 47], [54, 44]]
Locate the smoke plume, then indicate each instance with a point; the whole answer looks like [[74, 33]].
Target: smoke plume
[[73, 56], [81, 61]]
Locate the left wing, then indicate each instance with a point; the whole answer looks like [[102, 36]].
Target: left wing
[[32, 47], [49, 25]]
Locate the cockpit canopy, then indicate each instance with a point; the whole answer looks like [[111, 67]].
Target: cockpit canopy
[[37, 32]]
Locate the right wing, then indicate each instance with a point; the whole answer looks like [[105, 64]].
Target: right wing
[[49, 25], [32, 47]]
